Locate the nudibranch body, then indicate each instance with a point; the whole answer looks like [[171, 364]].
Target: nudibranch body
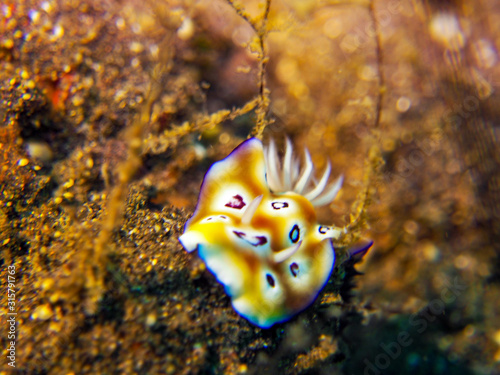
[[255, 228]]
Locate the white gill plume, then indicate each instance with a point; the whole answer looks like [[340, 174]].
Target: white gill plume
[[250, 210], [292, 175]]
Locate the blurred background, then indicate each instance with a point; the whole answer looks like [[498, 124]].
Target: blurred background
[[414, 80]]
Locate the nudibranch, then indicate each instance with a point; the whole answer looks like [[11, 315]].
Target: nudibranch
[[255, 228]]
